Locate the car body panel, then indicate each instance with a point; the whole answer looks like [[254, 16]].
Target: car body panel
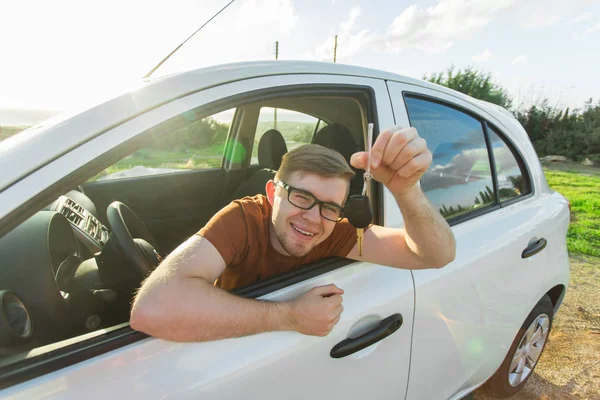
[[271, 365], [465, 317]]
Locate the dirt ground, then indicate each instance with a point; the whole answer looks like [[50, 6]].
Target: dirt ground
[[570, 365]]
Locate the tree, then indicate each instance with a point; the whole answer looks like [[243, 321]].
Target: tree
[[474, 83]]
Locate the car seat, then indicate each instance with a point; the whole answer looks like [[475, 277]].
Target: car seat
[[271, 149], [338, 138]]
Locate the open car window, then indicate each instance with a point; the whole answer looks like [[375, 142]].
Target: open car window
[[198, 144], [296, 128]]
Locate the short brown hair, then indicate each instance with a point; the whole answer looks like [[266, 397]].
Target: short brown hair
[[314, 159]]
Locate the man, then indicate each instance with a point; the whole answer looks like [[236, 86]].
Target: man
[[296, 223]]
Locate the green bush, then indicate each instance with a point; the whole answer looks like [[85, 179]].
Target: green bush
[[573, 134]]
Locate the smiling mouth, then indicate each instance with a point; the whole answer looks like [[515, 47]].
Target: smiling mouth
[[303, 232]]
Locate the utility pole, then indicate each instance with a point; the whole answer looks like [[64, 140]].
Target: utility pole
[[275, 110], [335, 49]]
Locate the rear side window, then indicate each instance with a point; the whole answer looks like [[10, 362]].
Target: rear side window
[[512, 180], [460, 178], [296, 128]]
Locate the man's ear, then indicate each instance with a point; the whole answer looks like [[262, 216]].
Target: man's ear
[[270, 188]]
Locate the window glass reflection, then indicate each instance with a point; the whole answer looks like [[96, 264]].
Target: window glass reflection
[[511, 182], [459, 179]]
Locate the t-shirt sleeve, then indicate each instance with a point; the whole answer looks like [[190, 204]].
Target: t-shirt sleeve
[[227, 231], [343, 238]]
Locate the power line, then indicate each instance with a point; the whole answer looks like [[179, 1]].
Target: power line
[[177, 48]]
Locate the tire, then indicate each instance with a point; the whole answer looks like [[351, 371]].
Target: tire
[[531, 341]]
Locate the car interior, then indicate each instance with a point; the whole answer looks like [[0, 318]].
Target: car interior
[[74, 266]]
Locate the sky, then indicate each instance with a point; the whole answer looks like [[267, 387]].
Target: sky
[[62, 54]]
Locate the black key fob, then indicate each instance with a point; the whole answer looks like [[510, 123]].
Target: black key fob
[[358, 211]]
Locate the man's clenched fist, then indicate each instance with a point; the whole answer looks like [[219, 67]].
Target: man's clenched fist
[[317, 311]]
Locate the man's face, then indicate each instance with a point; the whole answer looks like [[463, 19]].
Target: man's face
[[295, 231]]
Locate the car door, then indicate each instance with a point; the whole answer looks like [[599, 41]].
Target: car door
[[468, 313], [121, 363]]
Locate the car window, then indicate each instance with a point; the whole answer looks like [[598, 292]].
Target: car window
[[459, 179], [512, 182], [297, 128], [193, 144]]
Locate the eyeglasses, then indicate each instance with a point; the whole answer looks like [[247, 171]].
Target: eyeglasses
[[305, 201]]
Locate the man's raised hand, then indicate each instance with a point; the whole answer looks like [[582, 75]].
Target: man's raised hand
[[399, 157]]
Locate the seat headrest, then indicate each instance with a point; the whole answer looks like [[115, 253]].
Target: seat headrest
[[338, 138], [270, 149]]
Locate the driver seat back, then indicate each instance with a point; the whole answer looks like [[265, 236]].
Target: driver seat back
[[271, 149]]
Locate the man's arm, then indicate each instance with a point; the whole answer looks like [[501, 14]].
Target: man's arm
[[399, 158], [178, 302]]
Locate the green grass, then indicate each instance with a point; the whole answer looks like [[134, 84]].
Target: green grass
[[582, 188]]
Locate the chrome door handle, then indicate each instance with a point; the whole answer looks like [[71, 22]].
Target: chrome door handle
[[534, 248], [385, 328]]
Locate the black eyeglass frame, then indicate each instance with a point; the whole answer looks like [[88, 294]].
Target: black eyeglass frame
[[321, 203]]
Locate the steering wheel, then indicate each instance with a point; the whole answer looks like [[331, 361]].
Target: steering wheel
[[133, 238]]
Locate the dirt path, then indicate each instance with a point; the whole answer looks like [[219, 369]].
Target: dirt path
[[570, 365]]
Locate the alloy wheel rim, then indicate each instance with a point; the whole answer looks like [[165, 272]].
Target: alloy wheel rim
[[529, 350]]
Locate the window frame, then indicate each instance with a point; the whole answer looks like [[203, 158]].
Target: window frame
[[525, 170], [42, 360], [485, 124]]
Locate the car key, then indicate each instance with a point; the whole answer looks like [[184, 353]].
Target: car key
[[359, 215], [359, 207]]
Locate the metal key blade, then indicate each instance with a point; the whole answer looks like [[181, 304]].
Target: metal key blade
[[360, 235]]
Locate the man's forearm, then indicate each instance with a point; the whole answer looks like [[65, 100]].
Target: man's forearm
[[428, 234], [191, 309]]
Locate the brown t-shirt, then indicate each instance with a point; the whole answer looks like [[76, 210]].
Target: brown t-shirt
[[240, 232]]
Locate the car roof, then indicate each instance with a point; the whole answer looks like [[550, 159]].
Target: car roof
[[31, 149]]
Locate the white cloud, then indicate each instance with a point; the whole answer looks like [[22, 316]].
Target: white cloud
[[433, 29], [537, 14], [587, 32], [350, 40], [483, 57], [580, 18], [537, 21], [522, 59], [437, 28]]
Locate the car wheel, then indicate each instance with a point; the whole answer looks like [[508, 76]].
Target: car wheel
[[525, 351]]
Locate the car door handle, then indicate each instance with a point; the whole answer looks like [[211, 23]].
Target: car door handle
[[385, 328], [534, 248]]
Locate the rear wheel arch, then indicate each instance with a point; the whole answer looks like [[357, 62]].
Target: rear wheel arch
[[556, 295]]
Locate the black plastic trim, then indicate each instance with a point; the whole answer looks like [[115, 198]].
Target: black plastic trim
[[534, 248], [351, 345], [520, 161], [492, 160], [281, 281]]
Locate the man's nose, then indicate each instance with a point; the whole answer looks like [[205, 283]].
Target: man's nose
[[313, 215]]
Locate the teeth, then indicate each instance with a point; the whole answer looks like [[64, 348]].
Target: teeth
[[303, 232]]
